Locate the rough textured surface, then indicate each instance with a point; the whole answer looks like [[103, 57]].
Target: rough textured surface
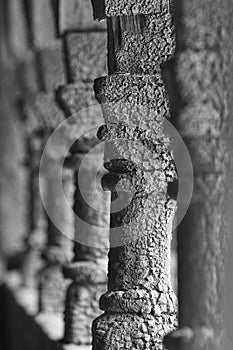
[[125, 98], [86, 55], [113, 8], [140, 305], [140, 43], [82, 306], [140, 294]]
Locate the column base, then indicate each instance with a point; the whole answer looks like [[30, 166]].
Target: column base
[[131, 331], [82, 306]]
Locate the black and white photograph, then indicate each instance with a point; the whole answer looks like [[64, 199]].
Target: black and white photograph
[[116, 168]]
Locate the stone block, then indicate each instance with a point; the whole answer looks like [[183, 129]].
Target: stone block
[[43, 112], [87, 55], [145, 42], [52, 66], [76, 97], [113, 8]]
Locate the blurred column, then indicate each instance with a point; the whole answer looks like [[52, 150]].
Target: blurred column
[[85, 47], [14, 192], [52, 72], [202, 75], [52, 286], [88, 269]]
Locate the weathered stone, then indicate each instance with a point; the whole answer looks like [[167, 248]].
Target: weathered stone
[[145, 42], [140, 164], [52, 66], [52, 287], [76, 15], [89, 267], [114, 8], [82, 307], [142, 229], [86, 55], [126, 98], [82, 271], [43, 23]]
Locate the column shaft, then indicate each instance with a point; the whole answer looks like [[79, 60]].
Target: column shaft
[[140, 305]]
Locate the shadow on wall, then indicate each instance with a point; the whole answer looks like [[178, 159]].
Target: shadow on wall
[[18, 331]]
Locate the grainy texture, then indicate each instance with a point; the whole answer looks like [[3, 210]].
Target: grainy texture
[[141, 264], [140, 43], [114, 8], [140, 305], [204, 78]]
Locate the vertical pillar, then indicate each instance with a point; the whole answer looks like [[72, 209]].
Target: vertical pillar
[[13, 193], [140, 305], [89, 266], [32, 261], [43, 108], [203, 77], [85, 47], [52, 286]]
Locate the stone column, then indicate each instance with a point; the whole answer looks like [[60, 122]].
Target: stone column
[[52, 286], [15, 194], [140, 305], [32, 261], [203, 79], [85, 47], [43, 115], [89, 267]]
